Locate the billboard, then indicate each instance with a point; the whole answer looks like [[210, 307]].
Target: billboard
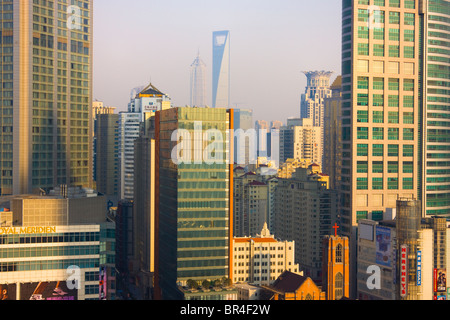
[[8, 292], [56, 290], [383, 246], [440, 280]]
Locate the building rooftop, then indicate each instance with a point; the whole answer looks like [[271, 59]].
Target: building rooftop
[[288, 282], [150, 90], [257, 183]]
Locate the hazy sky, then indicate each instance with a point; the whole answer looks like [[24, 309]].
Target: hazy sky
[[272, 42]]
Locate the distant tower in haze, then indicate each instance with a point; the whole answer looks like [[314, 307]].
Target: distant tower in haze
[[198, 83], [313, 100], [221, 69], [317, 89]]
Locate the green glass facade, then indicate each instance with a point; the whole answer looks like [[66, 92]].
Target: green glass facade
[[437, 108], [194, 198]]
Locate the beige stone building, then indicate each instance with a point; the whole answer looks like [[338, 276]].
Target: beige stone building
[[262, 259], [300, 139]]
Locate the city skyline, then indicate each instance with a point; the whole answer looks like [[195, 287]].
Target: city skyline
[[281, 34]]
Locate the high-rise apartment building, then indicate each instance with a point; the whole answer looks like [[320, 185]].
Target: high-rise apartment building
[[300, 140], [250, 204], [332, 144], [221, 70], [305, 211], [194, 197], [312, 101], [142, 106], [106, 151], [243, 120], [129, 127], [198, 83], [144, 206], [46, 89]]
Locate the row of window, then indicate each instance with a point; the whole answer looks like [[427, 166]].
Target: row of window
[[378, 184], [379, 100], [378, 117], [408, 4], [392, 133], [378, 167]]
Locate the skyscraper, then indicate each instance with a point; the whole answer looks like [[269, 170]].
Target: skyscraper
[[332, 143], [194, 198], [313, 100], [198, 83], [394, 106], [434, 90], [221, 69], [142, 106], [46, 88], [300, 140], [317, 89], [107, 154]]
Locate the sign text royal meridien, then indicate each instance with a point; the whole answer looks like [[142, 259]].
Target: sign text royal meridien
[[26, 230]]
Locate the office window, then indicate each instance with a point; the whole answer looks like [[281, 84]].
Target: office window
[[393, 183], [378, 50], [378, 100], [408, 151], [377, 183], [378, 133], [393, 134], [362, 150], [363, 133], [393, 117], [408, 134], [408, 183], [393, 150], [362, 184], [378, 150], [363, 116], [378, 117], [393, 167], [377, 167]]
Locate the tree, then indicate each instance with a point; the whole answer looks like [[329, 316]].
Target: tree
[[192, 284], [206, 284]]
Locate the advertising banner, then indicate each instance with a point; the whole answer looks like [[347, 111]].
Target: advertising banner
[[383, 246], [8, 291], [56, 290], [440, 280]]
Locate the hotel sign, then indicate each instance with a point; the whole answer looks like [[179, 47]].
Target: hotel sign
[[26, 230], [403, 271]]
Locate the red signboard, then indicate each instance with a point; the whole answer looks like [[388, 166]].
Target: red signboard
[[403, 271]]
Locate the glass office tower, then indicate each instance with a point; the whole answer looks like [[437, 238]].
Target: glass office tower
[[46, 90], [194, 197], [221, 69], [435, 39]]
